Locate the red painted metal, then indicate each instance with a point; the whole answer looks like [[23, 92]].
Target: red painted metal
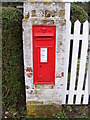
[[44, 42]]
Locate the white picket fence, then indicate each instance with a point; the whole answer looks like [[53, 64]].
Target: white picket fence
[[74, 93]]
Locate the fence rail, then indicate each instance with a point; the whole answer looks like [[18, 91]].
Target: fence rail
[[76, 62]]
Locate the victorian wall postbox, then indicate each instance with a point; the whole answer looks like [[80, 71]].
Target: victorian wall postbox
[[44, 39]]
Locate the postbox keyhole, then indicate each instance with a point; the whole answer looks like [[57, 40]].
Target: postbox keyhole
[[40, 66]]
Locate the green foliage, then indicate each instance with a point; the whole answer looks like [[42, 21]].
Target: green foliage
[[61, 114], [69, 108], [12, 58], [12, 111], [78, 13]]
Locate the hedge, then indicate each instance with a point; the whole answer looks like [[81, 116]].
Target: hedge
[[12, 58], [78, 13]]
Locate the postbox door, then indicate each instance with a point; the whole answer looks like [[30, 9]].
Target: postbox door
[[44, 59], [44, 64]]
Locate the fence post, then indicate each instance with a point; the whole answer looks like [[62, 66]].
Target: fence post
[[67, 11], [66, 62]]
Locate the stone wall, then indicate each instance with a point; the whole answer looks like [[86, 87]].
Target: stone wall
[[43, 13]]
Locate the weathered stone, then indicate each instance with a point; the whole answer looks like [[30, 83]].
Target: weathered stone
[[41, 13], [27, 14], [39, 97], [53, 13], [33, 13], [48, 22], [47, 13], [47, 3], [61, 13], [38, 109], [27, 87]]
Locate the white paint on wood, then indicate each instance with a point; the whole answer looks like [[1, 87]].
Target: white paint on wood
[[67, 50], [67, 11], [72, 37], [89, 75], [75, 92], [76, 38], [86, 95], [82, 62], [74, 61], [89, 37]]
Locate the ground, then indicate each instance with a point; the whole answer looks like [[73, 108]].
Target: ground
[[67, 111]]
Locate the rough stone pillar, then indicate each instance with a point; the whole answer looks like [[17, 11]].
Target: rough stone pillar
[[43, 98]]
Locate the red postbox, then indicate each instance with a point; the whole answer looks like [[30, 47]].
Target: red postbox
[[44, 40]]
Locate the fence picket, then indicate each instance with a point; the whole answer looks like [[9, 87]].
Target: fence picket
[[74, 60], [82, 62], [85, 100]]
